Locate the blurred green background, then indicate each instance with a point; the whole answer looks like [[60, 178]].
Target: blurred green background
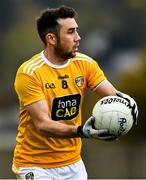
[[113, 32]]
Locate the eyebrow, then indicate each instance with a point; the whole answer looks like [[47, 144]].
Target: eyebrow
[[73, 28]]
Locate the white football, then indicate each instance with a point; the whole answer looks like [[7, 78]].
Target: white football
[[113, 113]]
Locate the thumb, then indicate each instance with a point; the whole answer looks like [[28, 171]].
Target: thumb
[[90, 121]]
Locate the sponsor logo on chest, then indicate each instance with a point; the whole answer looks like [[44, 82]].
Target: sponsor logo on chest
[[66, 107]]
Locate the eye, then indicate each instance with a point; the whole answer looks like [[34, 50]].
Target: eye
[[71, 31]]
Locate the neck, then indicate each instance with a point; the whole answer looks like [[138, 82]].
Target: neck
[[51, 56]]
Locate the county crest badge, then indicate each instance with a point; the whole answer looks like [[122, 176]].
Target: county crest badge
[[79, 81]]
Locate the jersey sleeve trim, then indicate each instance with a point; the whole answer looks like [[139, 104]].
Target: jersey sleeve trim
[[33, 65], [96, 87]]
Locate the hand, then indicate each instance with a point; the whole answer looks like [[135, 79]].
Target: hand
[[88, 131], [132, 105]]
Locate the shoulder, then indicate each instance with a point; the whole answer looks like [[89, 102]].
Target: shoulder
[[30, 65]]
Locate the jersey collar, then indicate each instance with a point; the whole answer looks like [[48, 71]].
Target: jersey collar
[[54, 65]]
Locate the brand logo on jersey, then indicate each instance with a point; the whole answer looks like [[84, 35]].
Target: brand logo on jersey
[[50, 85], [66, 107], [29, 176], [63, 77], [79, 81]]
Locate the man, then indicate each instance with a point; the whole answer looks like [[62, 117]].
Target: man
[[50, 87]]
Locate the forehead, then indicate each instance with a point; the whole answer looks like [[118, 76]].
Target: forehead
[[67, 23]]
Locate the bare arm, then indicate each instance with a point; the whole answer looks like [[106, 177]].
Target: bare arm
[[39, 114], [106, 89]]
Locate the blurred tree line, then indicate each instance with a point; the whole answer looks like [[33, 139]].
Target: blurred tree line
[[113, 32]]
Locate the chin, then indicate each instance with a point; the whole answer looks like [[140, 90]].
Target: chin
[[73, 54], [70, 55]]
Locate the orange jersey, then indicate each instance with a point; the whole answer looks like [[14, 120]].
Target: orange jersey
[[63, 87]]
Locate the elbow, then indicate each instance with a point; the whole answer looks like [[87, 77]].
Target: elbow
[[41, 127]]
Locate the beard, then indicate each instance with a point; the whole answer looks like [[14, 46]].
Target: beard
[[63, 54]]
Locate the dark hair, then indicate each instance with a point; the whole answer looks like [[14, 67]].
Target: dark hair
[[47, 22]]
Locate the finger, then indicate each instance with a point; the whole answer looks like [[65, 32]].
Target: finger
[[103, 132], [98, 133], [136, 114], [111, 138], [108, 138], [119, 94]]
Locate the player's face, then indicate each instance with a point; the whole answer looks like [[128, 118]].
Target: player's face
[[68, 41]]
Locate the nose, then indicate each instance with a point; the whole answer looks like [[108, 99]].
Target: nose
[[78, 38]]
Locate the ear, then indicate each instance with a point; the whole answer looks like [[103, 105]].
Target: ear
[[51, 39]]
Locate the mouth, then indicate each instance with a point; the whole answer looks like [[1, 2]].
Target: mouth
[[76, 48]]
